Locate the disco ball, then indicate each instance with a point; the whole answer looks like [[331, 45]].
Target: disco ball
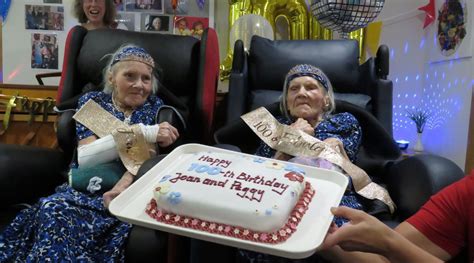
[[345, 15]]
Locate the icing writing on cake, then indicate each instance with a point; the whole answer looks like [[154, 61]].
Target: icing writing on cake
[[215, 161], [237, 183]]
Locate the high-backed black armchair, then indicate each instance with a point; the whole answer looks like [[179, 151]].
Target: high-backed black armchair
[[257, 79], [257, 76], [189, 74]]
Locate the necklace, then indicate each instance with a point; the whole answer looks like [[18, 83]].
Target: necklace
[[126, 113]]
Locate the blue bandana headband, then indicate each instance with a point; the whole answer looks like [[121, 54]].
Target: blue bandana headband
[[302, 70], [133, 54]]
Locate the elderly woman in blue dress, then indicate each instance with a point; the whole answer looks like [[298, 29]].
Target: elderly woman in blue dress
[[74, 225], [307, 104]]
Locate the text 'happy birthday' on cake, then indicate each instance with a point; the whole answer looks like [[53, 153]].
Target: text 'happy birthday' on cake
[[234, 195]]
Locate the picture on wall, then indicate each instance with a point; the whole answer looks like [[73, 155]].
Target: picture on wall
[[44, 51], [190, 26], [144, 5], [182, 7], [125, 21], [118, 5], [451, 34], [156, 23], [451, 26], [43, 17]]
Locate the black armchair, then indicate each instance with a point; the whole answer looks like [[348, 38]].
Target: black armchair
[[257, 79], [189, 74]]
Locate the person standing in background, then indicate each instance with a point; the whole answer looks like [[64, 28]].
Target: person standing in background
[[94, 14]]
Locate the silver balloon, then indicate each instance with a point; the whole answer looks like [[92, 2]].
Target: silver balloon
[[345, 15], [247, 26]]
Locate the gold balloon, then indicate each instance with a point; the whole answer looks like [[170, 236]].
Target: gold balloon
[[359, 36], [296, 23], [237, 8], [294, 12], [316, 31]]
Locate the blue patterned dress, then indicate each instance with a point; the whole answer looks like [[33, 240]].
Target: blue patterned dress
[[346, 128], [71, 225]]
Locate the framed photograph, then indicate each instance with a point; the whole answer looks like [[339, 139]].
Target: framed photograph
[[42, 17], [44, 51], [119, 6], [182, 7], [126, 21], [190, 26], [155, 23], [155, 6], [451, 33]]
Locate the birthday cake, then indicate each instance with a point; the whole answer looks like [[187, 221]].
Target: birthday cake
[[236, 195]]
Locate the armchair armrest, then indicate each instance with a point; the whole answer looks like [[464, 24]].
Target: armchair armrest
[[412, 181], [29, 172]]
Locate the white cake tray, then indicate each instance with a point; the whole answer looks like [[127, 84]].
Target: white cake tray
[[130, 205]]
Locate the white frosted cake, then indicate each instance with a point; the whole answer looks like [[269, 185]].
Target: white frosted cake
[[232, 194]]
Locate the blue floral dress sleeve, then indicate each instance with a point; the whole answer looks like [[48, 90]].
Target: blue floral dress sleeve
[[346, 128]]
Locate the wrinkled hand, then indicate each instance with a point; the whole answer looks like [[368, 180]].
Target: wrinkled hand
[[167, 134], [362, 233], [337, 145], [109, 196], [303, 125], [118, 188]]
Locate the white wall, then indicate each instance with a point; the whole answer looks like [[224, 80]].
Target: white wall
[[443, 88]]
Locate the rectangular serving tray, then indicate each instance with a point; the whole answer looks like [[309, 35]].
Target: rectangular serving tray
[[329, 186]]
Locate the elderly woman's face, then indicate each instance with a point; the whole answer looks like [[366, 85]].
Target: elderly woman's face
[[132, 82], [306, 98], [157, 23], [94, 10]]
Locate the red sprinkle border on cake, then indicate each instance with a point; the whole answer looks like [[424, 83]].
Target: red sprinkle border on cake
[[238, 232]]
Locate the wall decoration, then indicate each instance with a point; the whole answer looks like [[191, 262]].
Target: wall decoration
[[4, 7], [452, 36], [182, 7], [429, 10], [451, 26], [190, 26], [126, 21], [144, 5], [44, 17], [44, 51], [119, 5], [155, 23]]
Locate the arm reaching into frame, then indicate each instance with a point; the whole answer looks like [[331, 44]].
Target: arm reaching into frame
[[365, 233]]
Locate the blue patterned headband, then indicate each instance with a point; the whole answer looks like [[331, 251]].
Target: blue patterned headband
[[302, 70], [133, 54]]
